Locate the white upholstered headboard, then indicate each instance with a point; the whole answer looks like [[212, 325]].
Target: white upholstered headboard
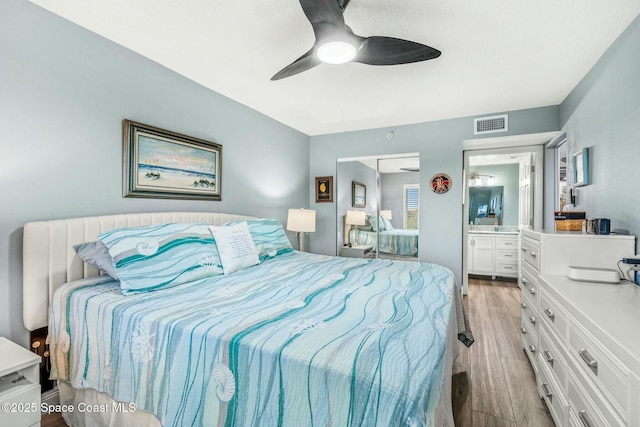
[[50, 261]]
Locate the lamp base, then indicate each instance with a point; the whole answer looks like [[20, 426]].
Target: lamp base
[[301, 240]]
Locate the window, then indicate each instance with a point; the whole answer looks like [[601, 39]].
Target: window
[[411, 198]]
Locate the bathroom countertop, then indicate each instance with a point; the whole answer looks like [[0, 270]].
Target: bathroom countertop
[[490, 229], [515, 233]]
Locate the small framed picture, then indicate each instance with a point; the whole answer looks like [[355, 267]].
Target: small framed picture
[[358, 195], [324, 189], [581, 167]]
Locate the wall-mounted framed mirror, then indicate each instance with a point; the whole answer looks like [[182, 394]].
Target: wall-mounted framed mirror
[[486, 205]]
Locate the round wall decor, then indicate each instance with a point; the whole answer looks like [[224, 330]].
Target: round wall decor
[[440, 183]]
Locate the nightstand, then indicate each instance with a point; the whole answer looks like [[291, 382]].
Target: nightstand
[[357, 251], [19, 385]]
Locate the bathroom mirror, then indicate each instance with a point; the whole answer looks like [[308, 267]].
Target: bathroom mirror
[[486, 205]]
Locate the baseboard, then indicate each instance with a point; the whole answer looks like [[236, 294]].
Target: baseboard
[[51, 397]]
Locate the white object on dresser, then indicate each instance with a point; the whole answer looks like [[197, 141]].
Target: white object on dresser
[[590, 274], [19, 385], [559, 328], [357, 251], [492, 254]]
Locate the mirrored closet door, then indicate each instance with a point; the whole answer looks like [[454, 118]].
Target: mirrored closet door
[[378, 206]]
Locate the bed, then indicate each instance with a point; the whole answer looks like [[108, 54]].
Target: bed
[[297, 339], [384, 238], [397, 241]]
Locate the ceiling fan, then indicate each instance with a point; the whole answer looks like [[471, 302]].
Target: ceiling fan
[[336, 43]]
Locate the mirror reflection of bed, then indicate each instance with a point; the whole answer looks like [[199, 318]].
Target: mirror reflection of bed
[[387, 226]]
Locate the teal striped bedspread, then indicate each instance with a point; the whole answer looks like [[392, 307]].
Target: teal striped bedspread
[[299, 340], [397, 241]]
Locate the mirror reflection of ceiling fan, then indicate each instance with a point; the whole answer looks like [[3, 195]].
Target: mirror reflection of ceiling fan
[[336, 43]]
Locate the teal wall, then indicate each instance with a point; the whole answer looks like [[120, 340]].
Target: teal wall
[[63, 94], [439, 145], [603, 114]]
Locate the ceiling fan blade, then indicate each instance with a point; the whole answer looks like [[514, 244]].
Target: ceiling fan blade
[[390, 51], [304, 63], [343, 4], [323, 14]]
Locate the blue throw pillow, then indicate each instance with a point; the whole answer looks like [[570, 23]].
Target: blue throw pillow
[[155, 257], [385, 223], [97, 255], [268, 235]]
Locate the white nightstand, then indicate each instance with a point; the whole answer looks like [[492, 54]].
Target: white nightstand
[[19, 385], [357, 251]]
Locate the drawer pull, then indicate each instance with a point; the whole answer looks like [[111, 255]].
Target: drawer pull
[[533, 254], [508, 256], [524, 281], [549, 313], [584, 418], [532, 291], [524, 249], [532, 349], [508, 243], [589, 360], [523, 330], [547, 392], [548, 356], [507, 267], [532, 320], [523, 305]]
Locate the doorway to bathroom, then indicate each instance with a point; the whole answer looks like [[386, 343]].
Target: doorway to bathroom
[[502, 194]]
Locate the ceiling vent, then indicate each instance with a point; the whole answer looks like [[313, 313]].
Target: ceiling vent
[[491, 124]]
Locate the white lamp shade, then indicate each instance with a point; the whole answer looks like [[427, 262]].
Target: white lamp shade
[[356, 218], [386, 214], [301, 220]]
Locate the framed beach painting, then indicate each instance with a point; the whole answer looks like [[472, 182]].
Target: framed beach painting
[[159, 163]]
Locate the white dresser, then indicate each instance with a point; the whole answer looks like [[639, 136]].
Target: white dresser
[[582, 338]]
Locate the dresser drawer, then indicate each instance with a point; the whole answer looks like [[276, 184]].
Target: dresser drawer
[[588, 406], [530, 346], [529, 281], [529, 315], [553, 314], [595, 362], [530, 252], [551, 355], [553, 396]]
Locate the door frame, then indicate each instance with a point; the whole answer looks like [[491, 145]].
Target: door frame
[[538, 190]]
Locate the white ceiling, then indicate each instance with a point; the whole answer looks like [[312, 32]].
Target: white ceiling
[[497, 55]]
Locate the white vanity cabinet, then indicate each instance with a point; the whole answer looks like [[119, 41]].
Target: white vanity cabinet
[[481, 254], [582, 344], [492, 254]]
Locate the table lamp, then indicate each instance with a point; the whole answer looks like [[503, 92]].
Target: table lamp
[[353, 218], [301, 221]]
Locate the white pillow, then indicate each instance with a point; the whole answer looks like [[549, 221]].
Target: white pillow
[[235, 246]]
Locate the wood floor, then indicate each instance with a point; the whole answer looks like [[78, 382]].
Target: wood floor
[[493, 382]]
